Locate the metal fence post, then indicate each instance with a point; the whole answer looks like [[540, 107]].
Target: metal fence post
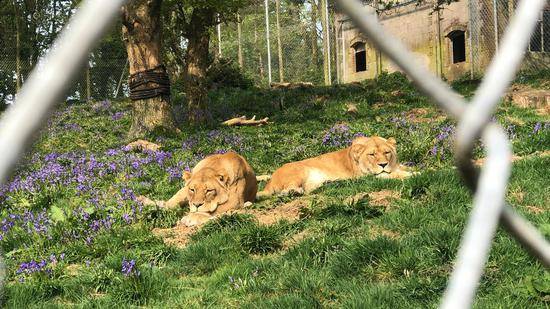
[[495, 23], [219, 30], [266, 4], [470, 34]]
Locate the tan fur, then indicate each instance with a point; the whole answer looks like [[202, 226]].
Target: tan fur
[[219, 183], [367, 155]]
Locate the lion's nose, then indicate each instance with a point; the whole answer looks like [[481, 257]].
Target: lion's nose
[[198, 204], [382, 165]]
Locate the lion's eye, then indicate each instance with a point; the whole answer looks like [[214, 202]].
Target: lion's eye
[[371, 154], [210, 191], [387, 152], [192, 190]]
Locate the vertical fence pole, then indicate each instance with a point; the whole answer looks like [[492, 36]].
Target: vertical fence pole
[[343, 53], [88, 83], [470, 33], [495, 22], [121, 76], [266, 4], [328, 42], [279, 43], [337, 56], [219, 30], [439, 54]]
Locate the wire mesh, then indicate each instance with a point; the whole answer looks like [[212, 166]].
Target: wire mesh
[[489, 20], [27, 34], [296, 41]]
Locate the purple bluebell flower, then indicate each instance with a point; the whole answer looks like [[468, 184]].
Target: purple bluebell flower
[[129, 268], [117, 116]]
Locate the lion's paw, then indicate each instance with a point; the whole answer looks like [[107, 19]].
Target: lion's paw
[[195, 219]]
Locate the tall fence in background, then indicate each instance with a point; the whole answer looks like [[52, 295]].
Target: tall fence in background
[[102, 77], [291, 41], [488, 22]]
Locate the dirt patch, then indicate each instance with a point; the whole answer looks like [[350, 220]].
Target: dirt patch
[[517, 195], [143, 145], [382, 198], [177, 236], [527, 97], [289, 211], [420, 115], [376, 231], [295, 239], [180, 234], [535, 210], [540, 154]]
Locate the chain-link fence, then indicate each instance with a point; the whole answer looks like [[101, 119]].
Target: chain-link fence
[[290, 41], [27, 32], [488, 22], [102, 77]]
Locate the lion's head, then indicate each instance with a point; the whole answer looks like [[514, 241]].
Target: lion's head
[[374, 155], [206, 190]]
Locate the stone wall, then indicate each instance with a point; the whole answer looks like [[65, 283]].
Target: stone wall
[[417, 27]]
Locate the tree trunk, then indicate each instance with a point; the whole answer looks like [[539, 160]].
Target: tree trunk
[[239, 42], [279, 44], [198, 36], [141, 30]]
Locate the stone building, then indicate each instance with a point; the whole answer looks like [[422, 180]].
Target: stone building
[[458, 40]]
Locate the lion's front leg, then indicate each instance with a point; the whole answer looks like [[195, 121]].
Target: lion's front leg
[[178, 200]]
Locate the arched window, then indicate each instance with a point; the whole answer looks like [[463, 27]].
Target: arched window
[[360, 57], [458, 47]]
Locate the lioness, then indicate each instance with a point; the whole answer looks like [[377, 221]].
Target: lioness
[[366, 155], [217, 184]]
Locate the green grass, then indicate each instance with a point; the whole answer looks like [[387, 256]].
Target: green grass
[[353, 256]]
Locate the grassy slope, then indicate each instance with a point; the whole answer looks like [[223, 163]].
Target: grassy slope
[[354, 256]]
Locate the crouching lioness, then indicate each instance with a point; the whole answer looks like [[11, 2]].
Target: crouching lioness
[[367, 155], [217, 184]]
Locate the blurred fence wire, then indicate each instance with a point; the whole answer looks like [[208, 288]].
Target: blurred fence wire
[[489, 185]]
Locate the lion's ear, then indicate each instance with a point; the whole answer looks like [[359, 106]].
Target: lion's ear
[[392, 141], [186, 176], [356, 151]]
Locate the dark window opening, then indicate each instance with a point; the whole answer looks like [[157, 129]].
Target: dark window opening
[[360, 57], [458, 42]]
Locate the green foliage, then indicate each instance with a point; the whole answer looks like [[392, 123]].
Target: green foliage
[[260, 239], [224, 73], [336, 254]]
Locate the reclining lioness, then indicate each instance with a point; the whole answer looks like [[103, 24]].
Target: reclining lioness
[[366, 155], [217, 184]]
